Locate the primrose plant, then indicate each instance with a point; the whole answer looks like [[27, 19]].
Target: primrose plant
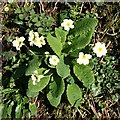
[[65, 61]]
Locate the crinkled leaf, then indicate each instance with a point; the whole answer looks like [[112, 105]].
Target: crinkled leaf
[[86, 24], [84, 74], [32, 94], [60, 34], [39, 86], [74, 94], [55, 44], [82, 41], [63, 70], [54, 101], [57, 86], [83, 32]]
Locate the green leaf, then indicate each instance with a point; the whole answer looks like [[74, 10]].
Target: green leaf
[[8, 90], [54, 101], [2, 25], [82, 41], [61, 34], [33, 109], [18, 10], [74, 94], [18, 98], [9, 109], [40, 30], [70, 79], [55, 44], [84, 74], [33, 65], [27, 8], [21, 16], [96, 90], [18, 111], [38, 24], [32, 94], [83, 32], [26, 113], [25, 100], [1, 111], [18, 22], [86, 24], [4, 112], [35, 19], [63, 70], [8, 55], [57, 86], [40, 85]]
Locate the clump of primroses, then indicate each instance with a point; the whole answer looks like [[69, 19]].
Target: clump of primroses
[[34, 39]]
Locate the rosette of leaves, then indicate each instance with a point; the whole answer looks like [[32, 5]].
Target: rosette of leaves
[[63, 78], [83, 32]]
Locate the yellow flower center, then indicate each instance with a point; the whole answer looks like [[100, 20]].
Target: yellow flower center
[[84, 57], [41, 41], [54, 60], [19, 43], [68, 24], [100, 49]]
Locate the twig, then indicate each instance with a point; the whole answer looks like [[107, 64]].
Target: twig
[[94, 110], [55, 5], [31, 3], [35, 100], [25, 3], [114, 34], [81, 7], [108, 44], [104, 32], [42, 6]]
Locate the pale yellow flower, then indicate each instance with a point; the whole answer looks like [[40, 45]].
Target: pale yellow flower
[[31, 37], [67, 24], [99, 49], [36, 34], [36, 77], [35, 39], [83, 59], [39, 41], [54, 60], [18, 42]]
